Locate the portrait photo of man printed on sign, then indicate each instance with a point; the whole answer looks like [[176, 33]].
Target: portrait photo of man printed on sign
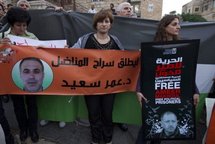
[[32, 75], [168, 124]]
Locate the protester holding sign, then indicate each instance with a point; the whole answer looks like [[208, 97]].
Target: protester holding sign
[[19, 20], [100, 107], [24, 4], [168, 30]]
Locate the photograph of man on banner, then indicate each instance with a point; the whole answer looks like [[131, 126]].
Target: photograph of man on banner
[[32, 74], [170, 127]]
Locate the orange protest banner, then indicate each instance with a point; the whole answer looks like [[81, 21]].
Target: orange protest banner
[[27, 70], [211, 128]]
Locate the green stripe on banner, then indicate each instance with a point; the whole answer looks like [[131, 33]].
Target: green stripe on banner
[[57, 108], [126, 109], [200, 106]]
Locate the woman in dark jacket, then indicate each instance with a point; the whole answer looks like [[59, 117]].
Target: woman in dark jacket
[[167, 30]]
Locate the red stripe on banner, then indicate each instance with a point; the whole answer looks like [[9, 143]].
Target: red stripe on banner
[[211, 128]]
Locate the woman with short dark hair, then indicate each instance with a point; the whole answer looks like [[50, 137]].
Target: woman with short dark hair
[[100, 107], [19, 19]]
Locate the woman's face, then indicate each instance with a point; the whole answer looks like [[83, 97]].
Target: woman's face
[[173, 28], [103, 26], [19, 28]]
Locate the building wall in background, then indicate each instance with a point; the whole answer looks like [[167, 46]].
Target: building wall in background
[[205, 8], [148, 9]]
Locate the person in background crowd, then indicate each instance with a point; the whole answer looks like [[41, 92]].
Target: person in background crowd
[[133, 14], [19, 20], [42, 99], [55, 8], [2, 14], [100, 107], [50, 8], [24, 4], [3, 3], [124, 9], [167, 30], [2, 10], [92, 9], [5, 126], [9, 6], [112, 9]]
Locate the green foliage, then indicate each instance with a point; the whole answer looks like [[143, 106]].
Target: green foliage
[[193, 18]]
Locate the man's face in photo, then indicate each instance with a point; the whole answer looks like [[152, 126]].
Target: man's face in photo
[[169, 123], [31, 73]]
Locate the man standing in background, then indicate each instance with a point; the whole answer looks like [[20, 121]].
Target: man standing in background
[[92, 9], [124, 9]]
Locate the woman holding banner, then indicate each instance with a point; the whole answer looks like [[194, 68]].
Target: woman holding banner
[[100, 107], [167, 30], [19, 20]]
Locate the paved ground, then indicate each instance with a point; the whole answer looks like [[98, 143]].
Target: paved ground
[[76, 134]]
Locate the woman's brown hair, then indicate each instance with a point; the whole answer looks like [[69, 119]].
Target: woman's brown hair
[[101, 15], [161, 34]]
